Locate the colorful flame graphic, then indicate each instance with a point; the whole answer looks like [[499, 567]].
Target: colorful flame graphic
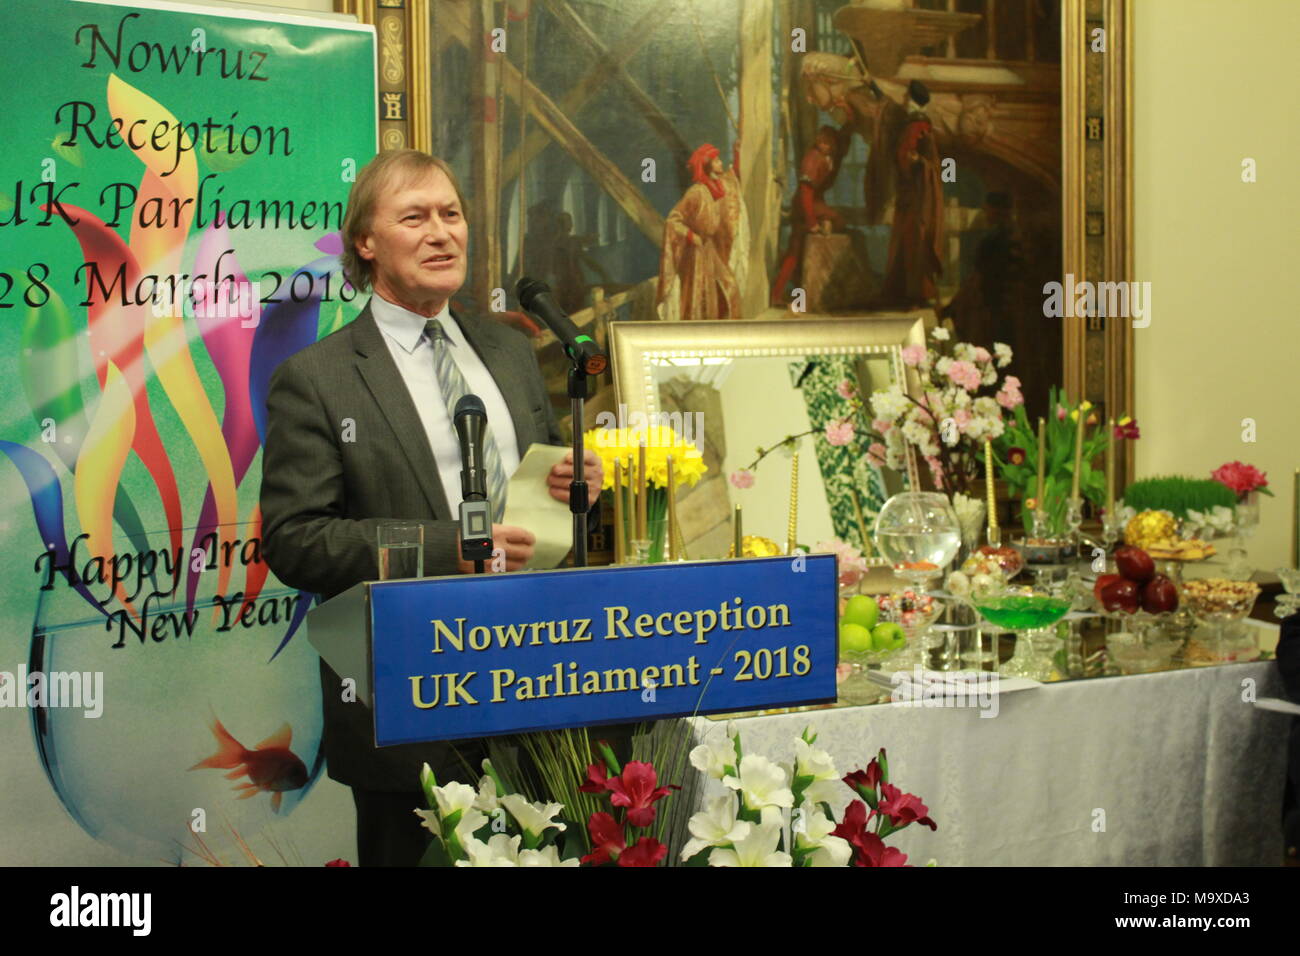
[[131, 345]]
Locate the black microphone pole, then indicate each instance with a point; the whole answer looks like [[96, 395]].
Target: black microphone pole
[[586, 359], [470, 421]]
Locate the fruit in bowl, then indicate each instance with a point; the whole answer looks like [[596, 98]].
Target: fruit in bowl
[[1136, 586], [1134, 564], [854, 638], [861, 610]]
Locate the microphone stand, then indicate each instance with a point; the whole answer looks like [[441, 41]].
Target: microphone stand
[[579, 392]]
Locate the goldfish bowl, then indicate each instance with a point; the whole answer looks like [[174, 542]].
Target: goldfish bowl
[[134, 775]]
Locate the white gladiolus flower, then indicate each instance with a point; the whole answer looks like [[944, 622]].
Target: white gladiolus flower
[[940, 334], [534, 818], [453, 797], [943, 365], [429, 820], [716, 825], [468, 824], [548, 856], [487, 795], [811, 762], [500, 850], [834, 851], [713, 758], [814, 832], [1003, 353], [761, 783], [756, 848]]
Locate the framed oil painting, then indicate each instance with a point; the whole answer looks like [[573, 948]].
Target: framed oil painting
[[779, 160]]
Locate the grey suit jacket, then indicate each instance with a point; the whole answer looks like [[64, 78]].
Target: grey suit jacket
[[344, 450]]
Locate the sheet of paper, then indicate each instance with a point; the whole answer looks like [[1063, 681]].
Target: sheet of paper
[[529, 505]]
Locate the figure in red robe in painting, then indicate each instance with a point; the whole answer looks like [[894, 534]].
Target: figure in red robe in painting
[[705, 245], [816, 175], [904, 156]]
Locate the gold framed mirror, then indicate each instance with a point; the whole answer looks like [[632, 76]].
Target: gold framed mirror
[[738, 389]]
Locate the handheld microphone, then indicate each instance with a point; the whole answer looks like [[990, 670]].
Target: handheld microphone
[[470, 420], [535, 298]]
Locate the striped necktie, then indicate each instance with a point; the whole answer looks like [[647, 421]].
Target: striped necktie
[[453, 386]]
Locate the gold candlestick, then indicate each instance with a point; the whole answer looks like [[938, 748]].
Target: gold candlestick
[[1041, 505], [1078, 452], [994, 533], [618, 511], [672, 511], [642, 488], [737, 534], [792, 527], [1110, 467]]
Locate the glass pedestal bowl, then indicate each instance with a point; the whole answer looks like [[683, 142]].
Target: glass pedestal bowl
[[1023, 610], [1220, 604]]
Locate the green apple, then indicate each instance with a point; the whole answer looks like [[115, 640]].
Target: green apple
[[887, 636], [861, 610], [854, 638]]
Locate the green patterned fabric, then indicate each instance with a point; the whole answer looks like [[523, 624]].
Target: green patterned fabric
[[844, 468]]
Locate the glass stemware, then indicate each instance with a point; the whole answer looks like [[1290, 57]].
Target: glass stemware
[[918, 533], [1024, 610]]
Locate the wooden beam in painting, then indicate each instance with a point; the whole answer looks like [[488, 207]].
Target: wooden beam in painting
[[561, 129], [762, 201], [485, 148], [581, 92], [647, 107]]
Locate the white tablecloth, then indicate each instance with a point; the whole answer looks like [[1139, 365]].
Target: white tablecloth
[[1157, 769]]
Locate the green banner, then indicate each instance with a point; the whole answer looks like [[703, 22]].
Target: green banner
[[171, 194]]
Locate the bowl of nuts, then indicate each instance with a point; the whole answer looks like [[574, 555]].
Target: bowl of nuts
[[1218, 604]]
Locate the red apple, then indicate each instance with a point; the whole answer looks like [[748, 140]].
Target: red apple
[[1120, 595], [1135, 564], [1102, 581], [1159, 595]]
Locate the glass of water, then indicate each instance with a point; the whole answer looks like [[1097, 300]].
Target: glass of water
[[401, 550]]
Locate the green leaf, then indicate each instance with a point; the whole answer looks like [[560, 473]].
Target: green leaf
[[72, 154]]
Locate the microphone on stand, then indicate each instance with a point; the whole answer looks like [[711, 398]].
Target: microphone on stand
[[535, 298], [470, 420]]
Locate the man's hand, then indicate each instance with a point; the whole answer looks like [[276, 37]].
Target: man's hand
[[517, 543], [557, 482]]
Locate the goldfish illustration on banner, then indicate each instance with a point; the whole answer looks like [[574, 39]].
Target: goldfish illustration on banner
[[192, 245], [271, 767]]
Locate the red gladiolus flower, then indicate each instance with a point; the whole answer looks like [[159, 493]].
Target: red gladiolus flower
[[606, 839], [854, 825], [863, 782], [637, 789], [1016, 456], [338, 862], [873, 851], [597, 781], [903, 808], [646, 852]]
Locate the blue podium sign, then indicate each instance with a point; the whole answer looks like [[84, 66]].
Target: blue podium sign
[[477, 656]]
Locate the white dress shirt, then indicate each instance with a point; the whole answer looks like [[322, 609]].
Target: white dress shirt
[[413, 353]]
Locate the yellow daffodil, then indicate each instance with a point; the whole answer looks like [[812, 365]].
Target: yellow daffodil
[[615, 444]]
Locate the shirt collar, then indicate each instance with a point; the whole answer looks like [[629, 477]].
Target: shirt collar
[[405, 327]]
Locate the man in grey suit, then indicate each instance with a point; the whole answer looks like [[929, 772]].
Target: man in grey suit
[[359, 431]]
